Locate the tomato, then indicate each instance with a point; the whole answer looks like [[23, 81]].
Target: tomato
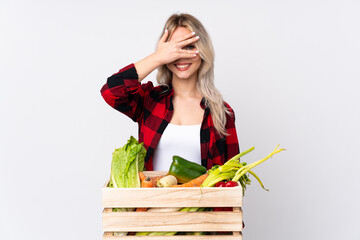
[[220, 184], [217, 209], [231, 184]]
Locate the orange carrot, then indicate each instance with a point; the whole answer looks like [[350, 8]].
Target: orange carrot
[[142, 176], [146, 182], [154, 179], [195, 182], [141, 210]]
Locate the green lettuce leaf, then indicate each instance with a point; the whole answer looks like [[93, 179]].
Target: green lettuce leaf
[[126, 164]]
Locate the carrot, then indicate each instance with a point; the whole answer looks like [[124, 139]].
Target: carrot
[[146, 182], [154, 179], [141, 210], [142, 176], [195, 182]]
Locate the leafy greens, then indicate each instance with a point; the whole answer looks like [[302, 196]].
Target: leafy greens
[[126, 164]]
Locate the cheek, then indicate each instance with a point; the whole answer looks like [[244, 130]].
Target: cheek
[[198, 58], [170, 67], [198, 61]]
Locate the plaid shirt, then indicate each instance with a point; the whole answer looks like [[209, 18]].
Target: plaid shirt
[[151, 107]]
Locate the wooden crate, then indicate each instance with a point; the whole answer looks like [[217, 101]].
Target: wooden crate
[[207, 221]]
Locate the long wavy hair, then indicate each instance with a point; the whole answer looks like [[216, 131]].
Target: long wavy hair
[[205, 79]]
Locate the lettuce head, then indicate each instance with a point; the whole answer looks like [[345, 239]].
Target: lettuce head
[[126, 164]]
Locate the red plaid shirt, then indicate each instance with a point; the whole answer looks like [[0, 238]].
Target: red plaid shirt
[[151, 107]]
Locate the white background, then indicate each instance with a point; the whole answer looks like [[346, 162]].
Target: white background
[[289, 69]]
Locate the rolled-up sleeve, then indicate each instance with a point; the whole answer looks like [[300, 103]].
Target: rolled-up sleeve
[[125, 93]]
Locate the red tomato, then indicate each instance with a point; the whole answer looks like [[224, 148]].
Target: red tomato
[[217, 209], [228, 209], [231, 184], [220, 184]]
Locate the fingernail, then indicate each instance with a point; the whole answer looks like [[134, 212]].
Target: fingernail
[[193, 33], [197, 37], [197, 51], [166, 30]]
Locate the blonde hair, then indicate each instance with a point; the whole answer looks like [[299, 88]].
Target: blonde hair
[[205, 83]]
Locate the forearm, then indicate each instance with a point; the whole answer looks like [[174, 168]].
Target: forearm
[[146, 65]]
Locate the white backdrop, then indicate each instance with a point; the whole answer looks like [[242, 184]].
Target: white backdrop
[[289, 69]]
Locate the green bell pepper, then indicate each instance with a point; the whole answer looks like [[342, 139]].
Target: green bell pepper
[[185, 170]]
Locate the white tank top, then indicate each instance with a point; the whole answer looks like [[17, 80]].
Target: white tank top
[[181, 140]]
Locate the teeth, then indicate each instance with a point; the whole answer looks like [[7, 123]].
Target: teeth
[[182, 66]]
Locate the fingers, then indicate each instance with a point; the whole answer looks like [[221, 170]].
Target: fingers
[[188, 54], [186, 36], [182, 51], [187, 42], [164, 36]]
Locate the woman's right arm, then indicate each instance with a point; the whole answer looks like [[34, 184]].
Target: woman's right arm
[[123, 90], [145, 66], [166, 52]]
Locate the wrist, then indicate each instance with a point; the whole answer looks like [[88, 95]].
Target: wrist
[[156, 59]]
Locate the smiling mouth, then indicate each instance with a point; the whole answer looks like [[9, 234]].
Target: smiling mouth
[[182, 67]]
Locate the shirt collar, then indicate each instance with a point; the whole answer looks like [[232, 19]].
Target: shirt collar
[[203, 106], [167, 91], [202, 103]]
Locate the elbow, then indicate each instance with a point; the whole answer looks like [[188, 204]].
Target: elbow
[[107, 95]]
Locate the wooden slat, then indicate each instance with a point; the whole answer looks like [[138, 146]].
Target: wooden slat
[[237, 209], [171, 221], [172, 197], [178, 237], [155, 173], [108, 234]]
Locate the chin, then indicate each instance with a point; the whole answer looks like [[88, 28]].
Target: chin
[[184, 76]]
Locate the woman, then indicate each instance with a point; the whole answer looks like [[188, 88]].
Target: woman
[[185, 115]]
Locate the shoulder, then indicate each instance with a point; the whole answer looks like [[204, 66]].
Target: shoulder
[[161, 91], [227, 105], [229, 111], [156, 93], [149, 87]]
